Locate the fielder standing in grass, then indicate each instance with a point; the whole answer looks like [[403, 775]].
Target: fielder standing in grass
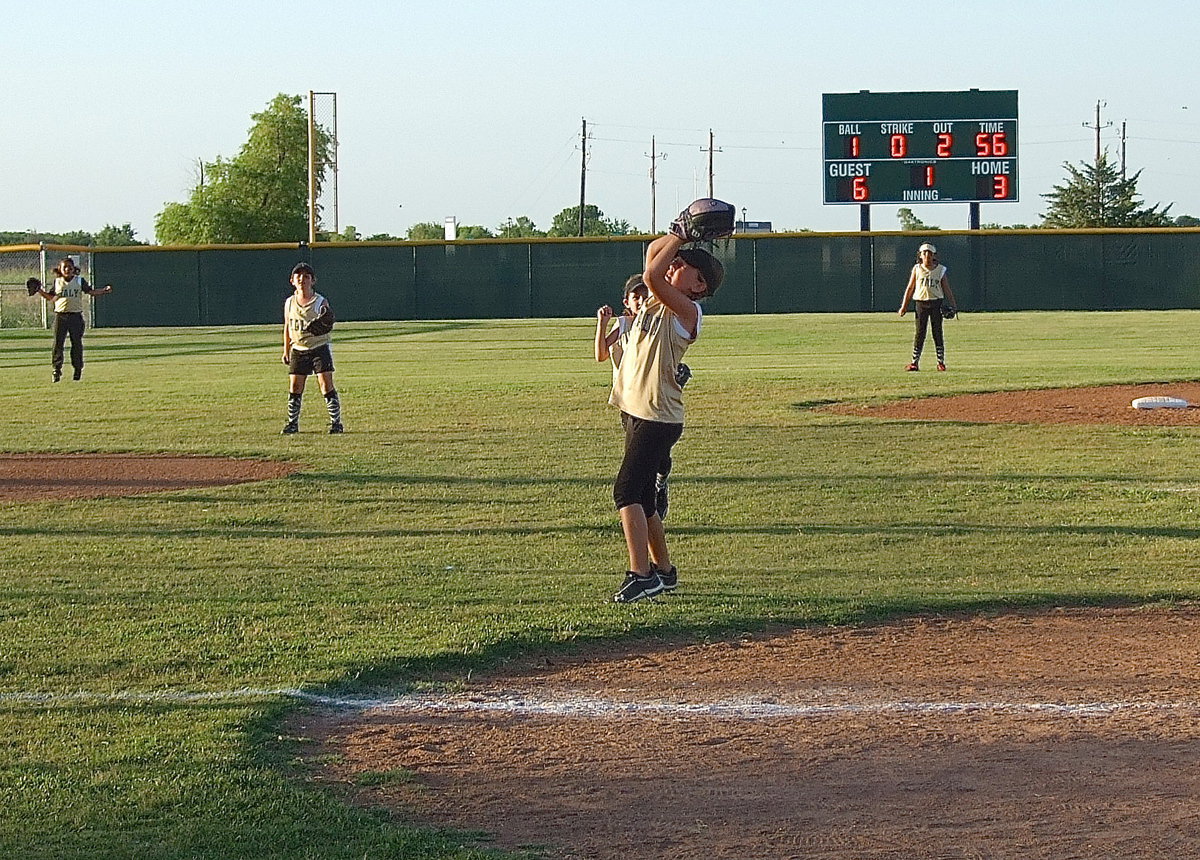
[[647, 391], [307, 323], [67, 294], [929, 287]]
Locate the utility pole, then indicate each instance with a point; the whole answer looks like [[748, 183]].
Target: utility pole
[[710, 152], [1097, 127], [582, 173], [1123, 149], [654, 156]]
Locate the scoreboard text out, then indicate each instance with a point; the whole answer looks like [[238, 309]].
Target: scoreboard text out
[[932, 147]]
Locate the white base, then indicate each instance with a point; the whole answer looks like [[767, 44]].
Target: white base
[[1160, 402]]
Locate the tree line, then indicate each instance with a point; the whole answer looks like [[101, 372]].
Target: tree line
[[110, 235], [261, 195]]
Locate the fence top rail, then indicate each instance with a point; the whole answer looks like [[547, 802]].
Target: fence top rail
[[639, 237]]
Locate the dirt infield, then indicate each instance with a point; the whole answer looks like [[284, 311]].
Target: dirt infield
[[1101, 405], [1072, 733], [39, 477]]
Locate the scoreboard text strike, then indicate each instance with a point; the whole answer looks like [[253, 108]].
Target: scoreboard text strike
[[939, 147]]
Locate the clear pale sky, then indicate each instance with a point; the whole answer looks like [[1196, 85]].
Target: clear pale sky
[[473, 109]]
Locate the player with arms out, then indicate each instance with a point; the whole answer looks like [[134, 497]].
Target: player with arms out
[[647, 391], [67, 294], [307, 323]]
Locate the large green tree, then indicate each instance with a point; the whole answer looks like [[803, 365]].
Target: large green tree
[[259, 195], [566, 223], [1096, 195]]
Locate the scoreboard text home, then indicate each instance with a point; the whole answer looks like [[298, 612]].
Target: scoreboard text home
[[935, 147]]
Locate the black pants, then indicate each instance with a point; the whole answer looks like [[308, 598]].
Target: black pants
[[929, 312], [664, 468], [68, 324], [647, 444]]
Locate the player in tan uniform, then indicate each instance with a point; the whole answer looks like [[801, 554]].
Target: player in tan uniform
[[928, 286], [306, 353], [610, 344], [67, 294], [650, 396]]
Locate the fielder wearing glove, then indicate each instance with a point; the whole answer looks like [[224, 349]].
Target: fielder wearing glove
[[704, 220], [323, 324]]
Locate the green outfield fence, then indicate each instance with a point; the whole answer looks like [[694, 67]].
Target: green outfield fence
[[1000, 270]]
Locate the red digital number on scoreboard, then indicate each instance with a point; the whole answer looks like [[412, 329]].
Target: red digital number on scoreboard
[[991, 144]]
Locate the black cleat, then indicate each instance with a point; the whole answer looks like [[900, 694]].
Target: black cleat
[[290, 428], [77, 375], [336, 427], [668, 578], [637, 587], [57, 376]]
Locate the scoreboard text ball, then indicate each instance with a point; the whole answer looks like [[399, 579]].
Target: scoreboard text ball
[[933, 147]]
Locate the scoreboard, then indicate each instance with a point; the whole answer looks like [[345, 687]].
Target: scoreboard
[[930, 147]]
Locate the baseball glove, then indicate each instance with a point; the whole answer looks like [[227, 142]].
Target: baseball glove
[[949, 312], [682, 374], [32, 286], [704, 220], [323, 324]]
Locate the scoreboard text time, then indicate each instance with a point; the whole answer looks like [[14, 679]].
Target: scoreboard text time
[[934, 147]]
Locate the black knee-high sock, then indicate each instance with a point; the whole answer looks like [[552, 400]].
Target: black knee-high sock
[[294, 407], [334, 405]]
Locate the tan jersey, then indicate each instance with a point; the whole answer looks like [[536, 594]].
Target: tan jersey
[[69, 295], [296, 316], [644, 384], [929, 282]]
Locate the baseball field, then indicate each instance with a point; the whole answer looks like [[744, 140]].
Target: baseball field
[[186, 668]]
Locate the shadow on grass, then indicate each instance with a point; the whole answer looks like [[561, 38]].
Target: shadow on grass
[[238, 789], [100, 351], [329, 533], [649, 633]]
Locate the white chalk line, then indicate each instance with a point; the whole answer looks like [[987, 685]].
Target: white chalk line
[[509, 704]]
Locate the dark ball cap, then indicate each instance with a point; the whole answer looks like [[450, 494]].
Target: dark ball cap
[[301, 268], [710, 267]]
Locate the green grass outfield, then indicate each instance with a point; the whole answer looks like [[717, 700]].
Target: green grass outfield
[[466, 517]]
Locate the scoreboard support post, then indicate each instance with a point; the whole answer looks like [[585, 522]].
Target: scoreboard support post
[[973, 218]]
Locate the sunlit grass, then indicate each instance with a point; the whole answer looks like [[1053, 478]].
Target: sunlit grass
[[466, 517]]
